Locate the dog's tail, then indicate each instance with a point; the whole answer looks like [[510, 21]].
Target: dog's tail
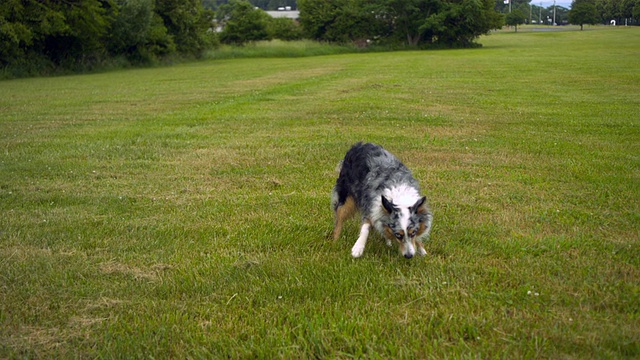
[[339, 166]]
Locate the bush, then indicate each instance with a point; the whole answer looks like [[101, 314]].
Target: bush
[[242, 23], [284, 29]]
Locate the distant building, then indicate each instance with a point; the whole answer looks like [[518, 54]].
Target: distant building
[[286, 12]]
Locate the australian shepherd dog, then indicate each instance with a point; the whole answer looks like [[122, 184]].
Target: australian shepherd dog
[[375, 183]]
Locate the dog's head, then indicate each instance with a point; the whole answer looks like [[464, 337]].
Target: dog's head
[[405, 223]]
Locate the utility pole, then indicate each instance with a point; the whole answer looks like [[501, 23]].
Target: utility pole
[[508, 2], [554, 12], [540, 16]]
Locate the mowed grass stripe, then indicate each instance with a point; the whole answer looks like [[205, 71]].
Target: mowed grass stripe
[[184, 211]]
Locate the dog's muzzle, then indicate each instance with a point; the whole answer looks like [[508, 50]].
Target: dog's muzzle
[[409, 249]]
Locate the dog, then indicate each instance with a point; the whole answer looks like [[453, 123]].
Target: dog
[[378, 185]]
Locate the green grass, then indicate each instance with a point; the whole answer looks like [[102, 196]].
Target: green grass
[[279, 48], [183, 212]]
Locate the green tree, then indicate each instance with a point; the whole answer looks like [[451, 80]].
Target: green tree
[[340, 21], [413, 22], [139, 33], [459, 23], [284, 29], [16, 33], [188, 23], [407, 18], [583, 12], [41, 35], [81, 33], [69, 32], [242, 23], [628, 8], [316, 16], [617, 10], [515, 18]]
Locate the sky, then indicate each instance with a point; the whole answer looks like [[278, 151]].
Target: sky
[[547, 3]]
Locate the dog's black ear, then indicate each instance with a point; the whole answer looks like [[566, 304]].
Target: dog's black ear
[[388, 205], [418, 204]]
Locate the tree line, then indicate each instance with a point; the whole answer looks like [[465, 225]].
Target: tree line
[[36, 35], [599, 11], [386, 22], [41, 35], [604, 11]]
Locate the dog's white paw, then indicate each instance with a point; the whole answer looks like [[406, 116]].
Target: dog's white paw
[[389, 243], [422, 251], [357, 250]]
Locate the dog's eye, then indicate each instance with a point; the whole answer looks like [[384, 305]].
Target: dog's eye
[[398, 236], [412, 233]]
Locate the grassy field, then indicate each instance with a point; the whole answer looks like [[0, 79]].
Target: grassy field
[[183, 212]]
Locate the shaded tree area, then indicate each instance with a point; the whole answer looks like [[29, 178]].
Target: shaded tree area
[[622, 11], [40, 36], [450, 23]]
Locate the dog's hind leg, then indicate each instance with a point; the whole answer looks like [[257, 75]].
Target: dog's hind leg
[[358, 247], [343, 212]]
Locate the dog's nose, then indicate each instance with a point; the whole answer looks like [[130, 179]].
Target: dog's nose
[[408, 256]]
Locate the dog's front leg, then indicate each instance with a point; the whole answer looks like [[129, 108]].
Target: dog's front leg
[[358, 247], [421, 250]]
